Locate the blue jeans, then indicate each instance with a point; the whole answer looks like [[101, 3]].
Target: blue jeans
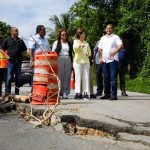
[[110, 71], [14, 68]]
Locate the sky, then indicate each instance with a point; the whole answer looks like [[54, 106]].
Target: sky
[[27, 14]]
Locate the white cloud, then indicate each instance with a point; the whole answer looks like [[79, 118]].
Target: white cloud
[[27, 14]]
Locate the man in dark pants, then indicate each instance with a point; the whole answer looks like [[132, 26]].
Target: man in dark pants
[[16, 49], [109, 46], [99, 70], [123, 66]]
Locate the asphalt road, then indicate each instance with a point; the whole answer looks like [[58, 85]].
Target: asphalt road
[[17, 134]]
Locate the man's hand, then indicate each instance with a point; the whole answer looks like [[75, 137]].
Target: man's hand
[[31, 63], [113, 53], [101, 61], [129, 67], [7, 57]]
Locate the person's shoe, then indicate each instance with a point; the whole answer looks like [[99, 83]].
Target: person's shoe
[[105, 97], [86, 97], [92, 96], [80, 96], [112, 98], [76, 96], [98, 94], [124, 94], [65, 96]]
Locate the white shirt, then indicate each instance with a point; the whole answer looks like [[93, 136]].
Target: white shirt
[[64, 50], [40, 43], [108, 44]]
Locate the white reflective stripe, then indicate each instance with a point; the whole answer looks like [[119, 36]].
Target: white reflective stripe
[[45, 62], [40, 79], [41, 71]]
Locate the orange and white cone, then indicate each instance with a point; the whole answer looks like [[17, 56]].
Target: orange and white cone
[[72, 83]]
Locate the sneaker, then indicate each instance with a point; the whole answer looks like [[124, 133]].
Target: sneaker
[[80, 96], [105, 97], [92, 96], [124, 94], [86, 97], [76, 96], [65, 96]]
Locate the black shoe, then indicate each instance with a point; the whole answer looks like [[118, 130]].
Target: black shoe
[[92, 96], [105, 97], [76, 96], [86, 97], [98, 94], [113, 98], [80, 96], [124, 94]]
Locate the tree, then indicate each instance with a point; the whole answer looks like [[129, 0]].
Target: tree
[[4, 29], [65, 21], [134, 24]]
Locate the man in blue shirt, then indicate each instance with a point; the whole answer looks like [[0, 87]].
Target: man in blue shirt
[[38, 43]]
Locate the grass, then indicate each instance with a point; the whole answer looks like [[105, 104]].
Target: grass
[[138, 85]]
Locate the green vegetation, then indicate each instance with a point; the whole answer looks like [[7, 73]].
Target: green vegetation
[[4, 29], [131, 19], [138, 85]]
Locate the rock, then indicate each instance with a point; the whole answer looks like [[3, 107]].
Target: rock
[[55, 120]]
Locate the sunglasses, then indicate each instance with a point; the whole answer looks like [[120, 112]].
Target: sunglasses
[[63, 34]]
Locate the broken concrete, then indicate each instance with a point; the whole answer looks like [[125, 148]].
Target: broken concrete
[[7, 107], [134, 138], [129, 115]]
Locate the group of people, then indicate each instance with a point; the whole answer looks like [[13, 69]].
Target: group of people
[[76, 56]]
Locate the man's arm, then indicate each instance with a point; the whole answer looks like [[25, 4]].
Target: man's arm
[[31, 57], [116, 51], [100, 56]]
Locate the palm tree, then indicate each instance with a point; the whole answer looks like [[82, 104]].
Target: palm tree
[[65, 21]]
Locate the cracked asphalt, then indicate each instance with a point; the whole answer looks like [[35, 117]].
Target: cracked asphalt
[[127, 118]]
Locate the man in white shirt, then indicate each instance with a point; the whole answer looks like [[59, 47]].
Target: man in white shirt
[[109, 46]]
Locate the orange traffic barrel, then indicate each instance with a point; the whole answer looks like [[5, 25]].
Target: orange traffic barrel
[[39, 94], [44, 76]]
